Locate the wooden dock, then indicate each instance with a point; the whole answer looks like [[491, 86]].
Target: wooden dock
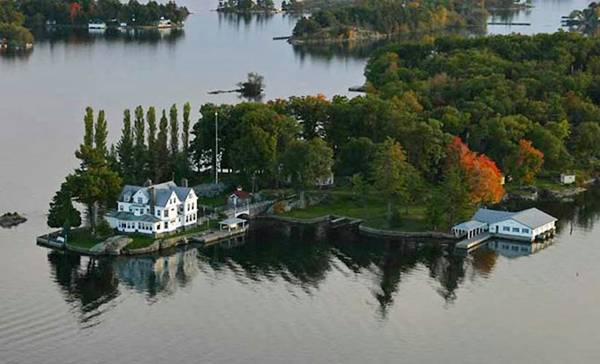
[[468, 244], [510, 24], [212, 237]]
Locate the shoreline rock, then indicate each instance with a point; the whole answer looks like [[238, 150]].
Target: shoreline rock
[[9, 219]]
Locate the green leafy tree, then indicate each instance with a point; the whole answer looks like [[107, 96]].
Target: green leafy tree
[[306, 162], [355, 157], [93, 183], [360, 188], [450, 202], [391, 172], [586, 141]]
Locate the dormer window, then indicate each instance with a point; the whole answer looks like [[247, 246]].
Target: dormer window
[[140, 200]]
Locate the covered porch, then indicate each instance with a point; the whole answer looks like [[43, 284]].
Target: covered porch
[[233, 224], [469, 229]]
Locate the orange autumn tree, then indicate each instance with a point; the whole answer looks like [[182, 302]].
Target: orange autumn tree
[[483, 178], [527, 162], [74, 9]]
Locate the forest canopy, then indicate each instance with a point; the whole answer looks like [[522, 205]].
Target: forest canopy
[[494, 91]]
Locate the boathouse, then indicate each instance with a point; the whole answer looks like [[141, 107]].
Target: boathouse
[[526, 225]]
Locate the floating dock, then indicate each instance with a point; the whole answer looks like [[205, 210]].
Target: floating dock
[[212, 237], [473, 242]]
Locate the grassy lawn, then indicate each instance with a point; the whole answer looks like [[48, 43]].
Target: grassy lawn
[[83, 238], [140, 241], [143, 241], [373, 212], [214, 201]]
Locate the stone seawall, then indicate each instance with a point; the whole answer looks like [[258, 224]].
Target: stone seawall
[[323, 226]]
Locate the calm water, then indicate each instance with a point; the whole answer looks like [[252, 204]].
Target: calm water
[[274, 299]]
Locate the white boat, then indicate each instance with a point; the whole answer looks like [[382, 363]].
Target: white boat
[[97, 26], [164, 23]]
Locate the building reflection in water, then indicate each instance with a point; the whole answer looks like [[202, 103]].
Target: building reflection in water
[[93, 286], [512, 249]]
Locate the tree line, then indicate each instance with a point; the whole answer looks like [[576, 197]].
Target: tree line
[[504, 95], [81, 12], [13, 34]]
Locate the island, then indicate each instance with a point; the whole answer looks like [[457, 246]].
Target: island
[[376, 19], [246, 6], [444, 128], [8, 220], [19, 18]]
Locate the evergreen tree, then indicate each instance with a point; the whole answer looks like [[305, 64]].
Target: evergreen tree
[[62, 214], [125, 149], [139, 148], [101, 134], [162, 150]]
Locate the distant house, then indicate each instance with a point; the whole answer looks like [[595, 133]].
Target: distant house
[[154, 209], [567, 179], [238, 198], [528, 225]]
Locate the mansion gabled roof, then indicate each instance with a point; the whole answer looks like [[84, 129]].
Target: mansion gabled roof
[[163, 192]]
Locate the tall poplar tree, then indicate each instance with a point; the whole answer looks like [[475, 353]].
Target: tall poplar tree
[[174, 131], [125, 149], [88, 121], [151, 151], [185, 140], [139, 148], [162, 150], [101, 134]]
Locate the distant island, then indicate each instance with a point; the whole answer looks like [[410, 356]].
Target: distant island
[[586, 21], [246, 6], [18, 18], [375, 19]]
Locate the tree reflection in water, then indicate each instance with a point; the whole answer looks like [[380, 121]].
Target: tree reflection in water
[[270, 255]]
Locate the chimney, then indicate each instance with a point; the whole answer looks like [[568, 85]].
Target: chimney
[[184, 182], [152, 191], [148, 183]]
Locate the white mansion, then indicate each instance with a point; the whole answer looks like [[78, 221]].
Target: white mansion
[[155, 209]]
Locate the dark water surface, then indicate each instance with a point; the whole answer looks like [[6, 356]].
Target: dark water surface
[[274, 299]]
